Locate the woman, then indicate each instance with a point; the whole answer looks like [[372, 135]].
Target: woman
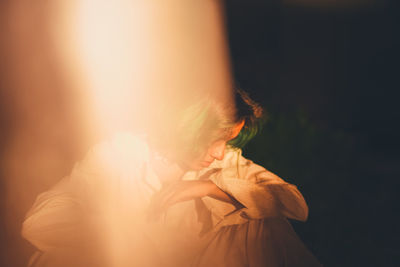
[[173, 199], [241, 208]]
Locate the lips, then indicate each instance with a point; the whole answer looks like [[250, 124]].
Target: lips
[[206, 163]]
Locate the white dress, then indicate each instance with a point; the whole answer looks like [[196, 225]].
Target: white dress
[[257, 233], [96, 216]]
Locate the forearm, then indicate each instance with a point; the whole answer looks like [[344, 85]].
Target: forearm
[[217, 193]]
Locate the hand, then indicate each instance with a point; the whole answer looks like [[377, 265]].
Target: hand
[[178, 192], [184, 191]]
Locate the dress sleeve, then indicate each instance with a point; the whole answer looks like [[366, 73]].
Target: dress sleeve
[[55, 219], [68, 213], [261, 193]]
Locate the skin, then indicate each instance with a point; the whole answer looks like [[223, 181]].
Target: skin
[[176, 190], [216, 151]]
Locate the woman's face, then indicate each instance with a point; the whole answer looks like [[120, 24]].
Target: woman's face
[[216, 150]]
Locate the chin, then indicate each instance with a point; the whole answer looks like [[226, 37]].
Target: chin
[[199, 166]]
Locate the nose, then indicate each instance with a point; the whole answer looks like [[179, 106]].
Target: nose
[[218, 152]]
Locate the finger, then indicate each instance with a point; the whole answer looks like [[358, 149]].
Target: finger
[[182, 193], [155, 207], [170, 196]]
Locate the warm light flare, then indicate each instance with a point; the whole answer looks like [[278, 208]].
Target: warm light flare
[[82, 70], [136, 54]]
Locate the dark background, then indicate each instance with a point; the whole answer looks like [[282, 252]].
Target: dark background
[[327, 76]]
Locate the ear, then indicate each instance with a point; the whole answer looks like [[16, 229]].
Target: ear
[[236, 129]]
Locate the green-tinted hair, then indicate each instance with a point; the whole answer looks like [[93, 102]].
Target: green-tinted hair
[[186, 128], [252, 114]]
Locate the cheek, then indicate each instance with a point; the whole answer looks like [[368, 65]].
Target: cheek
[[216, 148], [202, 156], [206, 155]]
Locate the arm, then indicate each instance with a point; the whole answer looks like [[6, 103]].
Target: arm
[[68, 214], [261, 193], [217, 193], [255, 192], [54, 220]]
